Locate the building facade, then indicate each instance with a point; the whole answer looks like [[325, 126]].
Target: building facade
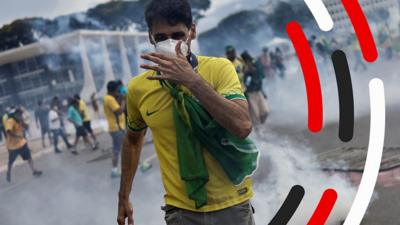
[[378, 12], [81, 62]]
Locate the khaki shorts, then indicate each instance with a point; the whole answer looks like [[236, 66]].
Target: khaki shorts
[[258, 107], [241, 214]]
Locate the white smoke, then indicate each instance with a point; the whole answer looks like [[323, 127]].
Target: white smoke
[[288, 163], [218, 11]]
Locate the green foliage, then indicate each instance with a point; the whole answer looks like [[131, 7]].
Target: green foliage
[[17, 33]]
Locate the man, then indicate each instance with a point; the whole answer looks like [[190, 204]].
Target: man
[[56, 128], [114, 112], [2, 130], [265, 62], [95, 105], [230, 53], [16, 142], [86, 119], [153, 101], [279, 63], [42, 121], [254, 92], [76, 119]]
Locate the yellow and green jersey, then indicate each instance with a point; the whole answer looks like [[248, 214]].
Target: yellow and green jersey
[[150, 105], [111, 105], [84, 111]]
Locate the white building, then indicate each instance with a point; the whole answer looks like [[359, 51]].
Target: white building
[[80, 62], [371, 8]]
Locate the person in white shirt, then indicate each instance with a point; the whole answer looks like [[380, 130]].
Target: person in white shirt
[[56, 128]]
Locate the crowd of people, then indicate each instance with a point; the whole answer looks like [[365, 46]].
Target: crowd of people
[[254, 74], [51, 120]]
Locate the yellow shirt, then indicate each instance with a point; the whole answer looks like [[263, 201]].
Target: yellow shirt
[[14, 143], [84, 111], [150, 105], [110, 106]]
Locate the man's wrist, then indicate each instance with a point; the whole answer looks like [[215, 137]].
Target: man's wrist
[[195, 82]]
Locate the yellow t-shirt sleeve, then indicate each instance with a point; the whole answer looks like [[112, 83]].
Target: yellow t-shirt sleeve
[[135, 119], [227, 81], [112, 104]]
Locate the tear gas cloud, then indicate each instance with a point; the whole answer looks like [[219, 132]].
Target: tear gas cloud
[[85, 199]]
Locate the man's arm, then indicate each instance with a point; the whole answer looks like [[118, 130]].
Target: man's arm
[[117, 108], [131, 149], [233, 115], [121, 108]]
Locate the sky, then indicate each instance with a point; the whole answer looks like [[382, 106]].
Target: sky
[[16, 9]]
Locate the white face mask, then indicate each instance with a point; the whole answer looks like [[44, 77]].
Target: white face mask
[[168, 46]]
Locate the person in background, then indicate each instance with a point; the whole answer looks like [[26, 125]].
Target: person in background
[[95, 104], [2, 130], [230, 53], [4, 118], [253, 80], [42, 121], [86, 119], [114, 112], [56, 128], [75, 118], [123, 90], [61, 110], [16, 142], [312, 42], [359, 62], [279, 64], [265, 60]]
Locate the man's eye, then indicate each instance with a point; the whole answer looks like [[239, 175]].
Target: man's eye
[[178, 36], [160, 38]]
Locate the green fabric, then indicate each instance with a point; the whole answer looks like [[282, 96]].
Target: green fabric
[[196, 130]]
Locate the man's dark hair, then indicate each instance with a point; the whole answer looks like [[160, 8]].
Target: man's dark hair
[[71, 101], [112, 86], [171, 11], [246, 56], [229, 48], [76, 96]]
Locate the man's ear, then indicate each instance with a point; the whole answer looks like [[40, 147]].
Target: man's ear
[[193, 32]]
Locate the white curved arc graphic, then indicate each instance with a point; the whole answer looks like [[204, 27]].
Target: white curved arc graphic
[[374, 157], [321, 14]]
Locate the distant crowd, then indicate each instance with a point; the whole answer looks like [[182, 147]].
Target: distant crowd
[[51, 119]]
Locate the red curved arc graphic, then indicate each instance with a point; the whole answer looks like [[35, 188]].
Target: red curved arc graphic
[[324, 208], [362, 29], [311, 76]]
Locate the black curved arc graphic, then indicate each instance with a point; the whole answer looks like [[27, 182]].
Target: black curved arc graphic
[[346, 97], [289, 206]]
